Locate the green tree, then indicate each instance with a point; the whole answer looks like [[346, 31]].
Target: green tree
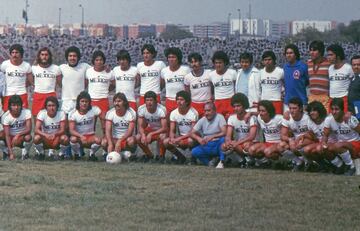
[[174, 32]]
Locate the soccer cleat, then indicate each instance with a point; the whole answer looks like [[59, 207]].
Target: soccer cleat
[[77, 157], [93, 158], [349, 171], [24, 157], [220, 165]]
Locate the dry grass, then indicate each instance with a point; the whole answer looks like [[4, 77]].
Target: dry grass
[[94, 196]]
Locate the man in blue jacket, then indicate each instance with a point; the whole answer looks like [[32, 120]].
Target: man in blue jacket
[[295, 75]]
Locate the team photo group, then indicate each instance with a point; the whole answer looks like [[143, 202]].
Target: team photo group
[[302, 116]]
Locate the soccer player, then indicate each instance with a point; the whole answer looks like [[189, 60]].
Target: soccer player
[[296, 77], [293, 133], [46, 77], [272, 81], [17, 76], [209, 132], [99, 83], [240, 134], [248, 80], [270, 123], [223, 80], [120, 127], [149, 71], [340, 73], [50, 129], [126, 78], [347, 134], [17, 127], [318, 70], [314, 151], [354, 88], [82, 121], [173, 77], [182, 119], [152, 126], [73, 78], [197, 82]]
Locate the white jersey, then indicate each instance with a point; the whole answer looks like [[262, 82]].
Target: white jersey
[[271, 84], [73, 80], [120, 124], [50, 125], [200, 87], [85, 124], [318, 130], [174, 80], [125, 82], [240, 127], [18, 124], [298, 128], [150, 76], [224, 85], [339, 80], [184, 122], [98, 83], [153, 120], [45, 78], [271, 129], [15, 77], [344, 131]]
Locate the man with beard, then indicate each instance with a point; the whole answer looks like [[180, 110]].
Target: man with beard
[[46, 77]]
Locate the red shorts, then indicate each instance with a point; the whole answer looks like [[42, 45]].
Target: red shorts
[[223, 106], [268, 144], [53, 144], [142, 100], [356, 149], [103, 104], [153, 137], [278, 105], [24, 98], [170, 105], [133, 105], [39, 101], [345, 98], [199, 107], [123, 143]]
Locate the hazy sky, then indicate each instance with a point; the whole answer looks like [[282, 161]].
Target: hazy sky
[[176, 11]]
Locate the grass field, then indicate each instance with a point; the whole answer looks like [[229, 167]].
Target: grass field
[[67, 195]]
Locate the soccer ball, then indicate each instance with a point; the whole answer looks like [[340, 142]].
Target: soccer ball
[[113, 158]]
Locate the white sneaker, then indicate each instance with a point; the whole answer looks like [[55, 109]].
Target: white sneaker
[[51, 152], [126, 155], [220, 165]]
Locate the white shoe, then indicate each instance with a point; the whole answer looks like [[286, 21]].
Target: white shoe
[[126, 155], [51, 152], [220, 165]]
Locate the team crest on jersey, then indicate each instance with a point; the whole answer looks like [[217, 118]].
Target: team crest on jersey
[[296, 74]]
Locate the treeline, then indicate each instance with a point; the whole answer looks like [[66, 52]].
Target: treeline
[[341, 33]]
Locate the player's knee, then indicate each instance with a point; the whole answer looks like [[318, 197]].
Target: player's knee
[[37, 139], [27, 138]]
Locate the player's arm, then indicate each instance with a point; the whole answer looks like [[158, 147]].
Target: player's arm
[[29, 79], [38, 130], [129, 132], [186, 135], [28, 127], [172, 131], [72, 129], [62, 128], [229, 134], [141, 126], [8, 141], [250, 137], [325, 137], [137, 80], [162, 83], [59, 81], [195, 135], [162, 129], [285, 134], [108, 135], [112, 85]]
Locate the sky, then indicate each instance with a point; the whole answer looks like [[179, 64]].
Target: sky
[[186, 12]]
